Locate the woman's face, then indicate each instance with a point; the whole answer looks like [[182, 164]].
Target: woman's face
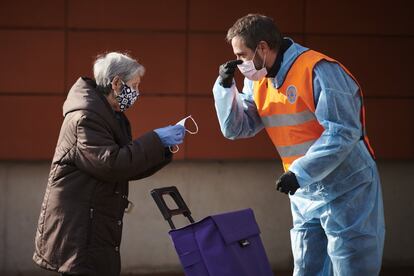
[[133, 83]]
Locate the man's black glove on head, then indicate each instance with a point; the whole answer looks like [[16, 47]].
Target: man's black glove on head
[[226, 72], [287, 183]]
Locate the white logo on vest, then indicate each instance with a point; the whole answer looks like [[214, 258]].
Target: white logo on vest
[[291, 94]]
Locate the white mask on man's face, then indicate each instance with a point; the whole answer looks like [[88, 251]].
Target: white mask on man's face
[[248, 69]]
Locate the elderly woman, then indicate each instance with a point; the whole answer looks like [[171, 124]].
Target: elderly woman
[[80, 224]]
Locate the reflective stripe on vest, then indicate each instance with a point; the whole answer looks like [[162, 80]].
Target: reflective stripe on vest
[[288, 112], [294, 150], [288, 119]]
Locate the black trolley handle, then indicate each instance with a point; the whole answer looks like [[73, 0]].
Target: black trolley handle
[[172, 191]]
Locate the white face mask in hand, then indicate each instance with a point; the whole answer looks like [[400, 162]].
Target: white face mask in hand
[[176, 148], [182, 122], [248, 69]]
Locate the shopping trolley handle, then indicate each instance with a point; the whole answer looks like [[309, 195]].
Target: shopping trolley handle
[[158, 195]]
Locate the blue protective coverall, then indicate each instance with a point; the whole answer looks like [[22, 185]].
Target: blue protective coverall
[[338, 217]]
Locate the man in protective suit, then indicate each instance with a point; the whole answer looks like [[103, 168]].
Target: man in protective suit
[[312, 109]]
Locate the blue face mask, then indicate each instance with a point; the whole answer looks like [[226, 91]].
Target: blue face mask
[[127, 97]]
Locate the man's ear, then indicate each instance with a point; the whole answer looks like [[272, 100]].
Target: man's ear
[[263, 46]]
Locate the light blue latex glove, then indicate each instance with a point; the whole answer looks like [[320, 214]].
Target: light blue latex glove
[[171, 135]]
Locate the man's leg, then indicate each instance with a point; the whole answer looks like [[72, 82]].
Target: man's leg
[[309, 247], [354, 225]]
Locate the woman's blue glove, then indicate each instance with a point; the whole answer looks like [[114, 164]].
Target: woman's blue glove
[[171, 135]]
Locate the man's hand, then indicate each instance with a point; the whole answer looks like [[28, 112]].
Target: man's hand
[[287, 183], [226, 72]]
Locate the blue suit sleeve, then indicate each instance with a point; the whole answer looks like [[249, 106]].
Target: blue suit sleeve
[[338, 105], [237, 112]]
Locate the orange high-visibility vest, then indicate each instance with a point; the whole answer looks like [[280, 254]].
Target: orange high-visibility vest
[[288, 112]]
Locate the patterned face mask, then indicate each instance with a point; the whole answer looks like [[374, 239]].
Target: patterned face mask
[[127, 97]]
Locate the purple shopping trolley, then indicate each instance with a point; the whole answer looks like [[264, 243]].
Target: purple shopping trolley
[[227, 244]]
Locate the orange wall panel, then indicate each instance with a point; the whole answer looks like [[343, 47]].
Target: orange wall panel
[[23, 13], [217, 15], [206, 53], [127, 14], [382, 65], [162, 54], [360, 17], [30, 126], [390, 127], [32, 61], [47, 45]]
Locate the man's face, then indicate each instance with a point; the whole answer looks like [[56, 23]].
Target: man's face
[[240, 49], [244, 53]]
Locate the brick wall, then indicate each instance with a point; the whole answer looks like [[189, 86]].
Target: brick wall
[[46, 45]]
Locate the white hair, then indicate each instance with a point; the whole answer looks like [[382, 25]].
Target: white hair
[[106, 67]]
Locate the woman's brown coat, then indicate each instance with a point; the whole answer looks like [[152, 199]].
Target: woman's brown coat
[[80, 223]]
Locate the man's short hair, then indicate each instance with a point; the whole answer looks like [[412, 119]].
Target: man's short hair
[[254, 28]]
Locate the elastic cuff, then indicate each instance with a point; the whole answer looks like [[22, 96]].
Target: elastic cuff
[[167, 152]]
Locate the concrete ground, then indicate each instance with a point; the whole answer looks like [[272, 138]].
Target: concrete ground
[[401, 271], [208, 188]]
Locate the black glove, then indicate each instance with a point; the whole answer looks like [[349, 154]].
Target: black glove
[[226, 72], [287, 183]]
